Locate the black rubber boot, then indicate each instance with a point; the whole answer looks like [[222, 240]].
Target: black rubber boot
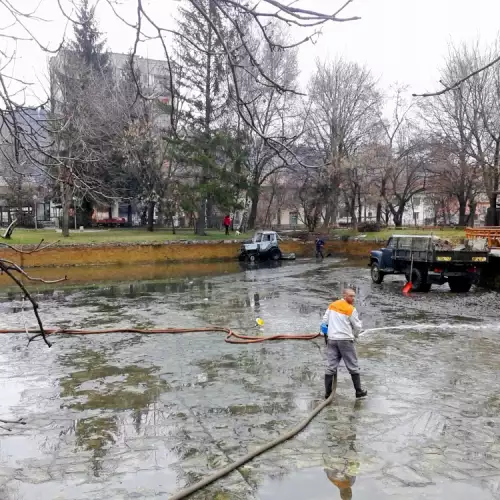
[[356, 381], [328, 385]]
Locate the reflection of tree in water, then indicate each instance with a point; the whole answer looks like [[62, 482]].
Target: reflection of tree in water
[[96, 385]]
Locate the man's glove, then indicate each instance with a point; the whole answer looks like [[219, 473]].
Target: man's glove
[[324, 331]]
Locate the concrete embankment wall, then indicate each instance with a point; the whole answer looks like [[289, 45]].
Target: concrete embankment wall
[[168, 252]]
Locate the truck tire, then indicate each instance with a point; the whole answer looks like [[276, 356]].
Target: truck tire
[[250, 257], [459, 285], [377, 274], [275, 254], [419, 281]]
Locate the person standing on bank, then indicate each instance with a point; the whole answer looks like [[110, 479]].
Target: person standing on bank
[[344, 327], [227, 223]]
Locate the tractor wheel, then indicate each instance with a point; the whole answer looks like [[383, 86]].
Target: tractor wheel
[[250, 257], [275, 254], [377, 274], [459, 285]]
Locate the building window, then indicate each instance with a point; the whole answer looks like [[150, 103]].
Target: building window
[[294, 218], [416, 201]]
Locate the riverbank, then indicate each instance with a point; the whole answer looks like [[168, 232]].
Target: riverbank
[[166, 252], [162, 235]]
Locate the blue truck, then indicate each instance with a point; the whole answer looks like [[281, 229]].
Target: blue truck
[[430, 260]]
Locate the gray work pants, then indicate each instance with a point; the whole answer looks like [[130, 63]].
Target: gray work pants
[[341, 349]]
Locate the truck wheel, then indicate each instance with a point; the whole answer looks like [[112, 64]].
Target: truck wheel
[[459, 285], [275, 254], [377, 274], [251, 257], [419, 281]]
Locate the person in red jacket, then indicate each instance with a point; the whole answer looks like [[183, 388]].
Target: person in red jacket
[[227, 223]]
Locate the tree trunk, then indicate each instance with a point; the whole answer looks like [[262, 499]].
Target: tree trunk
[[210, 213], [379, 213], [472, 214], [360, 205], [173, 224], [65, 204], [254, 199], [267, 219], [398, 218], [201, 221], [491, 215], [328, 215], [462, 217], [351, 210], [129, 215], [151, 213]]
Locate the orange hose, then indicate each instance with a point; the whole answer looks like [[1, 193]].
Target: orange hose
[[231, 337]]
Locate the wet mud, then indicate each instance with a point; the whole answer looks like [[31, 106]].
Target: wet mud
[[125, 416]]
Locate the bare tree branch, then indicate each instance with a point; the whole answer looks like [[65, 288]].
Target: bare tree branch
[[458, 83]]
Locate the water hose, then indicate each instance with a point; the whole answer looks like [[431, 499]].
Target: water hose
[[231, 338], [261, 449]]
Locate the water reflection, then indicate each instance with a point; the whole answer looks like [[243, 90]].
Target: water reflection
[[95, 384], [428, 417], [341, 463]]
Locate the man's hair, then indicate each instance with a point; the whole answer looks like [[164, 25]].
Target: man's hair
[[347, 290]]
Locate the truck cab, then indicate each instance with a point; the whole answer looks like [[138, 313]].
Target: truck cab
[[430, 260]]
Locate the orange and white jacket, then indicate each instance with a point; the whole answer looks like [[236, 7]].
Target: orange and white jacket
[[342, 320]]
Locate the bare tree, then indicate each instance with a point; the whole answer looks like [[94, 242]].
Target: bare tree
[[454, 170], [308, 192], [242, 17], [275, 197], [274, 115], [407, 172], [23, 131], [343, 111], [468, 116]]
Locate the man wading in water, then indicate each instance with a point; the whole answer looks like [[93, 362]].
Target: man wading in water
[[344, 326]]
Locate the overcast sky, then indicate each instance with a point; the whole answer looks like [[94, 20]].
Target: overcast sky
[[402, 41]]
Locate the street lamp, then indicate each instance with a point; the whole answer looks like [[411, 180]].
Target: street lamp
[[35, 199]]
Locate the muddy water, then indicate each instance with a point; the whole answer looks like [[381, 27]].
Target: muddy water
[[128, 416]]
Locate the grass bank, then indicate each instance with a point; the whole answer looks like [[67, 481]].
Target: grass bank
[[140, 235], [119, 235], [446, 233]]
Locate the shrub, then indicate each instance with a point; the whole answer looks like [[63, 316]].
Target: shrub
[[369, 227]]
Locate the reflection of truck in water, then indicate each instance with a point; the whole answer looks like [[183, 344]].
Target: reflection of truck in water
[[430, 260]]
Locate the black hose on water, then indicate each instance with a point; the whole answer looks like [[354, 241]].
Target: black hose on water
[[186, 492]]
